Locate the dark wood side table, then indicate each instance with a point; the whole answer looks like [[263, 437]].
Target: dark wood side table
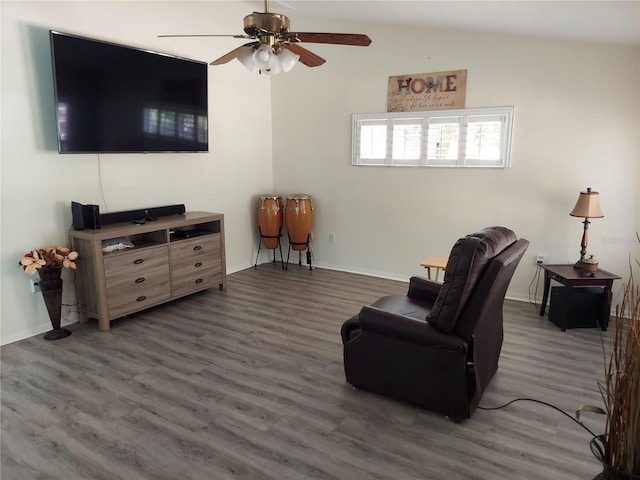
[[571, 277]]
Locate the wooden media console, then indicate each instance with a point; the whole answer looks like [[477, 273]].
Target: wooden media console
[[171, 257]]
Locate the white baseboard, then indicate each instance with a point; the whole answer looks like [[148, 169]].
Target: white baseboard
[[30, 332], [370, 273], [392, 276], [45, 327]]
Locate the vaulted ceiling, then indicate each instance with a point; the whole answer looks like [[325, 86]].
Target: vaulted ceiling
[[605, 21]]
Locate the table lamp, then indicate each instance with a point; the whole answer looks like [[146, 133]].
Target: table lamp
[[587, 206]]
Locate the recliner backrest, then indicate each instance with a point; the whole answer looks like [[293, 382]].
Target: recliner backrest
[[468, 261], [488, 296], [481, 322]]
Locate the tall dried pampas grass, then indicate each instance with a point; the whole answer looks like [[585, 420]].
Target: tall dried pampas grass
[[621, 389]]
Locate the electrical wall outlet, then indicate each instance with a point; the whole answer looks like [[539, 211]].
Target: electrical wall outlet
[[541, 258], [35, 288], [332, 238]]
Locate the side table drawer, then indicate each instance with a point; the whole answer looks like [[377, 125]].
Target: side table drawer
[[556, 277]]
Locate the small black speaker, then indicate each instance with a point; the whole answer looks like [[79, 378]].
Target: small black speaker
[[585, 310], [91, 216], [77, 214]]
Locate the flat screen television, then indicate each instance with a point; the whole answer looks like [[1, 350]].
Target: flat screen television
[[113, 98]]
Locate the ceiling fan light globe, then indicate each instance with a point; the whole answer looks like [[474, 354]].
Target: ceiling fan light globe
[[287, 60], [246, 59], [263, 55], [272, 67]]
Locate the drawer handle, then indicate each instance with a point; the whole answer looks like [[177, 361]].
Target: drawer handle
[[199, 280], [199, 264], [138, 261], [140, 280], [197, 248], [141, 298]]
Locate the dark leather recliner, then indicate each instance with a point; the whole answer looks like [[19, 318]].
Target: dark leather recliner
[[438, 346]]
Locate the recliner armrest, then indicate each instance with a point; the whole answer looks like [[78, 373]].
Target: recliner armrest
[[424, 289], [350, 329], [408, 329]]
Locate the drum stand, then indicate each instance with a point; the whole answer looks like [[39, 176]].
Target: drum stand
[[274, 250], [306, 244]]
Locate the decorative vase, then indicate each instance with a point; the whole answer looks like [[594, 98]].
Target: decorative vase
[[590, 265], [51, 287], [608, 472]]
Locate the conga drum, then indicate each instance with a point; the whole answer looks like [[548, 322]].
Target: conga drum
[[299, 218], [270, 218]]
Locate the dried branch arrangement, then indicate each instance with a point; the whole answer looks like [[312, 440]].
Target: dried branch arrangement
[[619, 448], [621, 388]]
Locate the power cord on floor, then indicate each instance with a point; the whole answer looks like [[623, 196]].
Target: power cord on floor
[[543, 403], [536, 280]]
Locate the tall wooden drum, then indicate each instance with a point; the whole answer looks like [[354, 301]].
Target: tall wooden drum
[[270, 216], [299, 219]]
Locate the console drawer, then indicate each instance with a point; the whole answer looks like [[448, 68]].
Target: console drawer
[[196, 264], [129, 300], [134, 264], [136, 280], [205, 245], [131, 295], [189, 279]]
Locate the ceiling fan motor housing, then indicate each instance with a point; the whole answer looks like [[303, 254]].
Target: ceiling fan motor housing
[[258, 24], [275, 39]]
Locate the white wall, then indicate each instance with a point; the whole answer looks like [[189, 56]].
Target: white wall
[[385, 220], [38, 184], [576, 126]]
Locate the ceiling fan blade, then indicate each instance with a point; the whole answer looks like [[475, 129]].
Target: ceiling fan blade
[[355, 39], [307, 58], [206, 35], [236, 52]]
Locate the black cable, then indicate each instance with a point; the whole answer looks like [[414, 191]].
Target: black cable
[[536, 280], [535, 275], [543, 403], [104, 200]]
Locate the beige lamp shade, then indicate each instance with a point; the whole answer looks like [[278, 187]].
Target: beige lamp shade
[[588, 205]]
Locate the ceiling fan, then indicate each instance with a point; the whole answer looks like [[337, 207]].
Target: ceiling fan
[[275, 48]]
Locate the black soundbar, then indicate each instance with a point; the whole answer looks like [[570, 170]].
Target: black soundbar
[[143, 214], [88, 216]]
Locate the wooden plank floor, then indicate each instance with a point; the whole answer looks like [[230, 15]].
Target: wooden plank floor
[[248, 383]]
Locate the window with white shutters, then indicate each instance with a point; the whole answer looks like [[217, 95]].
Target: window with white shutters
[[479, 137]]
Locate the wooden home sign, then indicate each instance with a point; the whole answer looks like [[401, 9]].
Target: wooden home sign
[[427, 91]]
